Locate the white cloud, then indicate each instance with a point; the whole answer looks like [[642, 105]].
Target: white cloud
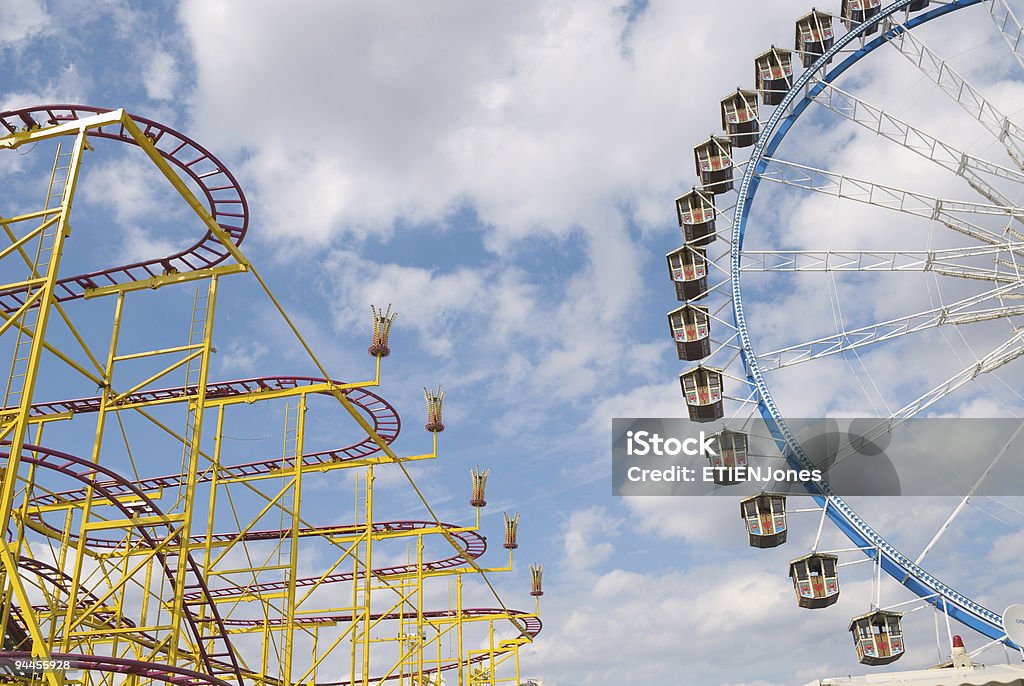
[[586, 538], [657, 400], [128, 185], [69, 84], [22, 19], [242, 357], [1007, 548], [425, 299], [161, 76], [664, 627], [538, 117], [140, 244], [500, 322], [704, 521]]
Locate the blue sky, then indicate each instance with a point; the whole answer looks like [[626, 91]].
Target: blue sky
[[504, 176]]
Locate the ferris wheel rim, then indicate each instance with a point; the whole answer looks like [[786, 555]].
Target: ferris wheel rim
[[897, 565]]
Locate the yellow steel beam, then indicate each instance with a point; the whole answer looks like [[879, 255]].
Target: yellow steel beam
[[153, 353], [155, 494], [366, 622], [316, 663], [241, 534], [17, 244], [73, 621], [30, 263], [155, 282], [398, 664], [14, 140], [251, 597], [293, 551], [31, 300], [179, 185], [56, 352], [7, 221], [116, 400], [14, 285], [214, 461], [227, 401], [111, 631], [249, 570], [107, 524]]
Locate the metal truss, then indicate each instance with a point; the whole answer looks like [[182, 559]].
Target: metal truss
[[1009, 26], [973, 169], [1004, 354], [957, 313], [944, 261], [941, 210], [967, 96]]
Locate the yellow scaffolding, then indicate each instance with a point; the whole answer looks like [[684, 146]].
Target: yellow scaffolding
[[116, 569]]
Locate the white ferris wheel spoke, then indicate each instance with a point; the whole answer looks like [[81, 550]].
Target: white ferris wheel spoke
[[845, 187], [967, 498], [945, 261], [957, 313], [1008, 25], [966, 95], [886, 125], [1005, 353]]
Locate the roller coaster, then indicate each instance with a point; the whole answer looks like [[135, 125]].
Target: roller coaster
[[218, 569]]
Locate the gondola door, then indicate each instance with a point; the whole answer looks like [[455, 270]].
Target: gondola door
[[703, 396], [730, 458], [882, 644]]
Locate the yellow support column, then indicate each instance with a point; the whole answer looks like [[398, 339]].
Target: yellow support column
[[419, 608], [105, 396], [20, 423], [193, 448], [368, 577], [458, 625], [289, 646]]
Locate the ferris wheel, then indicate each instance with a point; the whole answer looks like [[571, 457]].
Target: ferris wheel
[[961, 258]]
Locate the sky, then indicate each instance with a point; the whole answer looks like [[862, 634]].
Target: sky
[[504, 175]]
